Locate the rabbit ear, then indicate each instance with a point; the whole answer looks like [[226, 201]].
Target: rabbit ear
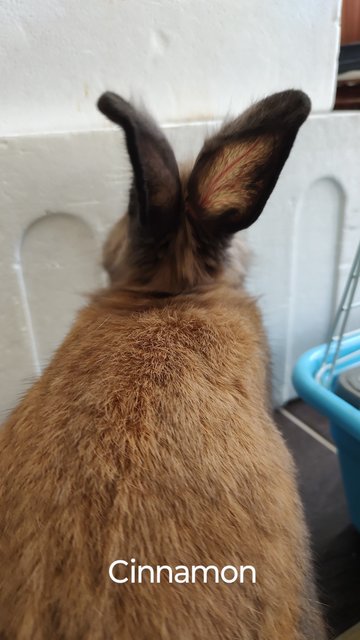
[[156, 192], [237, 169]]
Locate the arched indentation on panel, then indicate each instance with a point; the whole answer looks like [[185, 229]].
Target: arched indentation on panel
[[59, 260], [316, 251]]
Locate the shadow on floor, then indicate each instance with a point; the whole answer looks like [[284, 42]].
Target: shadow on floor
[[335, 542]]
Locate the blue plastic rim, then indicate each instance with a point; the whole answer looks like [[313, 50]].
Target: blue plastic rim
[[344, 418], [325, 400]]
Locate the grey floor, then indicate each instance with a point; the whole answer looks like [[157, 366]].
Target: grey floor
[[335, 542]]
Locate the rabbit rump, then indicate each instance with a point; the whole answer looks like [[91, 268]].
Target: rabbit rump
[[148, 441]]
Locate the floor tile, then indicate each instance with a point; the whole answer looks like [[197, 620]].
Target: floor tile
[[335, 542], [339, 579], [311, 417], [319, 484]]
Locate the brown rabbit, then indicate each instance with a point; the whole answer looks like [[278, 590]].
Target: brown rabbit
[[149, 436]]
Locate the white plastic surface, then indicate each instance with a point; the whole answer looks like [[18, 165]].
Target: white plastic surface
[[186, 60], [60, 194]]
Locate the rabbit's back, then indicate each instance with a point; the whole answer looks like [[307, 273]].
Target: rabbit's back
[[148, 437]]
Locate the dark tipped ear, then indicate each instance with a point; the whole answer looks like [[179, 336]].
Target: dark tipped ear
[[237, 169], [156, 192]]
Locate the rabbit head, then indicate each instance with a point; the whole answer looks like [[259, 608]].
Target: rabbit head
[[178, 227]]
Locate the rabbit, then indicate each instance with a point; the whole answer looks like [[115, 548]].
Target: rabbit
[[149, 437]]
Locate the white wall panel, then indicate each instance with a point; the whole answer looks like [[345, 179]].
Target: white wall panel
[[60, 194], [186, 60]]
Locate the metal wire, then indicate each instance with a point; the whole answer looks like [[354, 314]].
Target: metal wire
[[338, 328]]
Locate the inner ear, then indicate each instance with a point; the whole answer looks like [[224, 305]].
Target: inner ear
[[156, 192], [226, 180], [238, 168]]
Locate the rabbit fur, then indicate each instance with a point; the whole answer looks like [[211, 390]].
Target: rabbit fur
[[149, 435]]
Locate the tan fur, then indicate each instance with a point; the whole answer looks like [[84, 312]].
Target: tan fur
[[220, 188], [149, 436]]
